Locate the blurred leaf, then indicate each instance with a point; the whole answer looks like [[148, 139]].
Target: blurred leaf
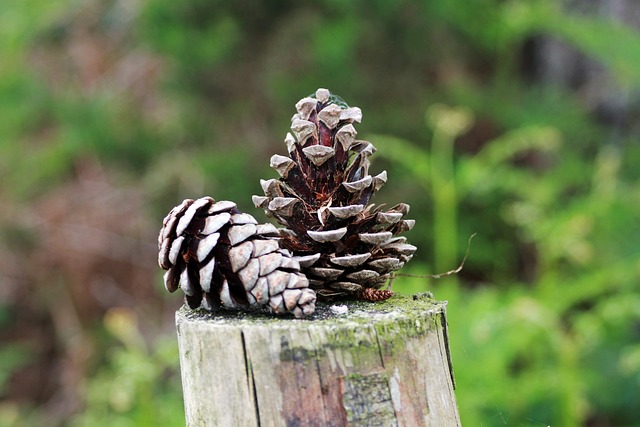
[[611, 43]]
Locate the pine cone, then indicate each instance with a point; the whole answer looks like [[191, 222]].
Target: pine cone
[[345, 245], [222, 257]]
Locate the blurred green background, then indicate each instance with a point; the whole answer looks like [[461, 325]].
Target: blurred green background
[[517, 120]]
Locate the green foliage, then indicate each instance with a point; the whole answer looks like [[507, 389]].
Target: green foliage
[[136, 386], [545, 339], [542, 348]]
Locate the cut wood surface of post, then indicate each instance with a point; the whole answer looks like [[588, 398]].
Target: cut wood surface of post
[[377, 364]]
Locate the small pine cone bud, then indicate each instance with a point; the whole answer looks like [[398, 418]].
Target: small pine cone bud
[[344, 244], [370, 294], [220, 256]]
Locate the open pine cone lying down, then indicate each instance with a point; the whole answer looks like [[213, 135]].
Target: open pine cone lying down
[[219, 256], [334, 242]]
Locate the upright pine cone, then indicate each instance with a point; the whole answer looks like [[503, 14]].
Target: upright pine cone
[[222, 257], [345, 245]]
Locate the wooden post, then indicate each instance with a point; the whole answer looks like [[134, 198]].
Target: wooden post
[[378, 364]]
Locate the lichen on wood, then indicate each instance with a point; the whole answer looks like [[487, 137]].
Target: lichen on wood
[[378, 364]]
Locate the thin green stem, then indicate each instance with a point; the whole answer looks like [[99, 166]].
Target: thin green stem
[[444, 201]]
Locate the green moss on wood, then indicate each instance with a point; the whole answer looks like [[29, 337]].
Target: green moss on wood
[[367, 400], [359, 311], [360, 331]]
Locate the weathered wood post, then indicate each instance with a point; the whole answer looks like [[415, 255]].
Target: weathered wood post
[[382, 364]]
